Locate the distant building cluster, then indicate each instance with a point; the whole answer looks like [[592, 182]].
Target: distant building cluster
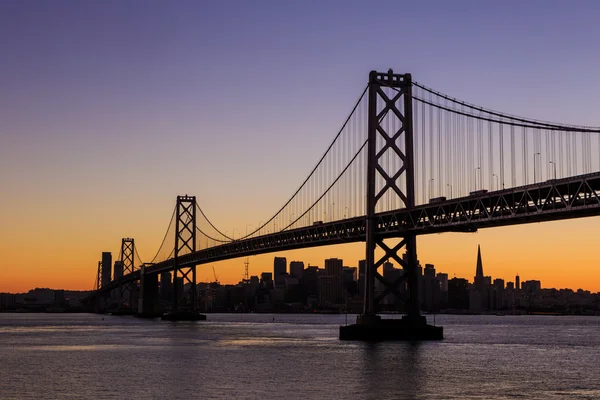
[[298, 288], [336, 287], [44, 300]]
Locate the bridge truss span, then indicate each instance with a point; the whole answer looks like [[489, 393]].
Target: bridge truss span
[[567, 198], [553, 200]]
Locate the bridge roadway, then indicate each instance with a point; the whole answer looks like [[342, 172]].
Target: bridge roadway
[[574, 197]]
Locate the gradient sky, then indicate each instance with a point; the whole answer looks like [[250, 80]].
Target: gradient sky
[[110, 109]]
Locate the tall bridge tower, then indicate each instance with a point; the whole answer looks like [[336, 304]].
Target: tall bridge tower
[[390, 105]]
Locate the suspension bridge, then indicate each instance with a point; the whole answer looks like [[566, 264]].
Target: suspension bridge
[[407, 161]]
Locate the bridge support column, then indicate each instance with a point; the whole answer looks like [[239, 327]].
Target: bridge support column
[[184, 296], [127, 258], [100, 302], [149, 300], [390, 105]]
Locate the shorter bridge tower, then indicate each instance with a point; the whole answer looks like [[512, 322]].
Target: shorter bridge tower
[[184, 304], [99, 302], [128, 259]]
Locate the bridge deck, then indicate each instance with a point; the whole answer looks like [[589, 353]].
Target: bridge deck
[[551, 200]]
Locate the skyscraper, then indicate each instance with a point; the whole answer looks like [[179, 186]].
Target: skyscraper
[[279, 270], [310, 280], [331, 284], [479, 295], [443, 278], [361, 277], [296, 269], [429, 271], [118, 270], [431, 289], [479, 279], [106, 267]]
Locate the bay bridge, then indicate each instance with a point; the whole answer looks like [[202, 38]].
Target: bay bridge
[[407, 161]]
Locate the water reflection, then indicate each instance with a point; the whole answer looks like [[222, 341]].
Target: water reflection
[[391, 369]]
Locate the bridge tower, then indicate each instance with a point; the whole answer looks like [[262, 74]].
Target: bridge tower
[[100, 302], [128, 260], [99, 276], [390, 108], [185, 242]]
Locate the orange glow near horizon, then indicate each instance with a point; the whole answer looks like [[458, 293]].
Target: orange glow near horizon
[[560, 254]]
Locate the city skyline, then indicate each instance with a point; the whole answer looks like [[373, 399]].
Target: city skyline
[[276, 264], [335, 287], [83, 107]]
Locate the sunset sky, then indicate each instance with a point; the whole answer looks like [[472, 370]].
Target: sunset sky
[[110, 109]]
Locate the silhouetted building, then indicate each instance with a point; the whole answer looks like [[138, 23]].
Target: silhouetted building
[[254, 284], [361, 277], [327, 294], [429, 271], [517, 282], [349, 281], [296, 269], [267, 280], [499, 294], [118, 271], [479, 280], [294, 291], [310, 281], [106, 267], [166, 287], [532, 286], [331, 283], [443, 278], [349, 274], [479, 296], [458, 294], [279, 270], [431, 289]]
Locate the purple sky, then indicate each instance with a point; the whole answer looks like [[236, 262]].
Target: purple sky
[[118, 106]]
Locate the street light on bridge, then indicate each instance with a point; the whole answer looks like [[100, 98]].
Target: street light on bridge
[[430, 188], [450, 186], [534, 169], [477, 168], [554, 168], [497, 184]]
